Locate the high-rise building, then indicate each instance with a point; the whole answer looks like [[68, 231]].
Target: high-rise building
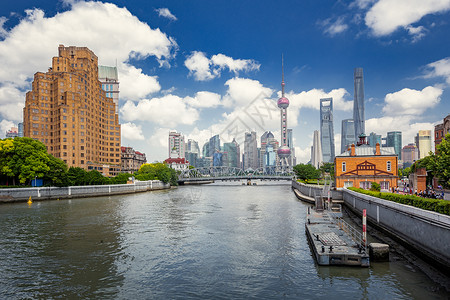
[[374, 139], [232, 154], [394, 139], [284, 152], [326, 129], [20, 128], [358, 103], [205, 149], [347, 134], [214, 145], [192, 158], [251, 151], [69, 112], [290, 143], [176, 145], [316, 151], [410, 153], [109, 79], [423, 142], [192, 147], [270, 159]]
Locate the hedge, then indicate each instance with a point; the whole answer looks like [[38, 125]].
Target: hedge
[[437, 205]]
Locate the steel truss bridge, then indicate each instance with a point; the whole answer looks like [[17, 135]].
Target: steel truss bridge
[[234, 174]]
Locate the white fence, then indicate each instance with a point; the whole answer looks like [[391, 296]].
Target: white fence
[[43, 193]]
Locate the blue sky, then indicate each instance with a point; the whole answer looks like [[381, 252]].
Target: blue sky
[[198, 66]]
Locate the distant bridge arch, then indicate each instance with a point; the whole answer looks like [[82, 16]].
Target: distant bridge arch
[[232, 173]]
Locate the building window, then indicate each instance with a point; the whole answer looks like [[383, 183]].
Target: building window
[[344, 166], [388, 166]]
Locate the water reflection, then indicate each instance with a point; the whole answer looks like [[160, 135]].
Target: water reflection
[[217, 242]]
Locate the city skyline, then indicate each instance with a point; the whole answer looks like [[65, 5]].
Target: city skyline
[[189, 70]]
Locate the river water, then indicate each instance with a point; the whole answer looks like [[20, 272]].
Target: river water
[[212, 241]]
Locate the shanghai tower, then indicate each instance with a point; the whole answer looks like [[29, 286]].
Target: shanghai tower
[[358, 103]]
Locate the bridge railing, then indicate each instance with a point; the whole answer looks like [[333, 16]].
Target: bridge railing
[[220, 172]]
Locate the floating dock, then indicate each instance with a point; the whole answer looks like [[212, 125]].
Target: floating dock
[[332, 240]]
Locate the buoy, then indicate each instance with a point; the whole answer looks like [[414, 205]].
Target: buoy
[[29, 200]]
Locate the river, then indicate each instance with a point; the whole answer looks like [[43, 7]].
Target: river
[[211, 241]]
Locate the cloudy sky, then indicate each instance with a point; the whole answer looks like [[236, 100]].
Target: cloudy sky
[[214, 67]]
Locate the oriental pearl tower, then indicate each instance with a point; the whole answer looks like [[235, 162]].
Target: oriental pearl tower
[[283, 103]]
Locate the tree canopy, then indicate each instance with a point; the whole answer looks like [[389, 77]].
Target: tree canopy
[[157, 171], [24, 159], [306, 172]]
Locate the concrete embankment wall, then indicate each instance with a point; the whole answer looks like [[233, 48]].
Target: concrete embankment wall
[[46, 193], [426, 231], [311, 190]]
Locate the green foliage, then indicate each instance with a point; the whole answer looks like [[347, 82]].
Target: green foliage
[[304, 172], [442, 161], [437, 205], [77, 176], [375, 187], [57, 175], [157, 171], [121, 178], [327, 168]]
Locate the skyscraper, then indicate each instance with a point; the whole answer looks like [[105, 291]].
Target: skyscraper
[[410, 153], [70, 113], [232, 154], [326, 129], [214, 145], [394, 139], [374, 139], [347, 134], [251, 151], [423, 142], [192, 147], [110, 83], [283, 103], [316, 151], [176, 145], [290, 144], [358, 103]]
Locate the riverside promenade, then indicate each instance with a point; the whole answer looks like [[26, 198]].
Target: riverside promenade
[[49, 193], [426, 232]]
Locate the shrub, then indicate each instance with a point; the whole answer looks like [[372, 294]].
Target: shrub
[[375, 187], [437, 205]]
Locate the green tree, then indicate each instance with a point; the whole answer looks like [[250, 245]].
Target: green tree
[[77, 176], [307, 171], [24, 158], [121, 178], [327, 168], [57, 175], [375, 187], [94, 177], [441, 161], [157, 171]]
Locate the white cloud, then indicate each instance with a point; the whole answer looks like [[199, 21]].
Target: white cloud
[[416, 32], [202, 68], [131, 131], [102, 27], [440, 68], [242, 91], [165, 12], [411, 102], [234, 65], [303, 155], [11, 102], [134, 84], [336, 27], [169, 110], [4, 126], [204, 99], [3, 31], [362, 4], [311, 99], [386, 16], [198, 65]]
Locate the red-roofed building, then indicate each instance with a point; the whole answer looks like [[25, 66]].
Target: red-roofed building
[[131, 160], [178, 164]]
